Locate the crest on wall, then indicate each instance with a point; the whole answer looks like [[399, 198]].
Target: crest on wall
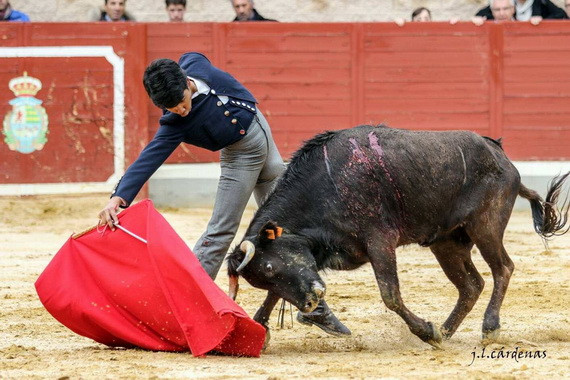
[[25, 127]]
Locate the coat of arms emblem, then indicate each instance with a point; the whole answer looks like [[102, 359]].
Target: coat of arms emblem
[[25, 127]]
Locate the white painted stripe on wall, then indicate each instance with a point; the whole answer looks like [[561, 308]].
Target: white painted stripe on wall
[[118, 64], [542, 168], [212, 170]]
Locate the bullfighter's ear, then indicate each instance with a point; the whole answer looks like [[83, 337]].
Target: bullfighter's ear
[[270, 231]]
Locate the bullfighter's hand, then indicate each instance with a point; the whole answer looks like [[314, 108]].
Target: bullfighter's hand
[[108, 215]]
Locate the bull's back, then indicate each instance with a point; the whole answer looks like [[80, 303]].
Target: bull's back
[[418, 177]]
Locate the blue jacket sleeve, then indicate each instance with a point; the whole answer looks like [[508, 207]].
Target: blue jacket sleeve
[[151, 158]]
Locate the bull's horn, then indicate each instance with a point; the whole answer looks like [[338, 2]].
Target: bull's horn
[[249, 249], [234, 286]]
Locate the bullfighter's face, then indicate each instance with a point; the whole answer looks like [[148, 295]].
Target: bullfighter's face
[[283, 265], [185, 106]]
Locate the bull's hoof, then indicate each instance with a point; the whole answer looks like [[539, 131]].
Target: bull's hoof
[[445, 332], [436, 337], [491, 336], [435, 344], [267, 338]]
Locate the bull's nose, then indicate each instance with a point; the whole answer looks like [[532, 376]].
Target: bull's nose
[[318, 289]]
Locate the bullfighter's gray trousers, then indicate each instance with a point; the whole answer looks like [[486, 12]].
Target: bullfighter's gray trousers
[[250, 165]]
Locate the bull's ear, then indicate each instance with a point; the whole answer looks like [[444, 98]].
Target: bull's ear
[[270, 231]]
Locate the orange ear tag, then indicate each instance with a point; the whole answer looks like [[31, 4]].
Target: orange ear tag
[[270, 234], [279, 231]]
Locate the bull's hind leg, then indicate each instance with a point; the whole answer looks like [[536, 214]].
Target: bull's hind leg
[[502, 268], [454, 256], [488, 237], [383, 260]]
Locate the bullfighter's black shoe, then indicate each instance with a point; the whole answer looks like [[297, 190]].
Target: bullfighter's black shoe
[[323, 318]]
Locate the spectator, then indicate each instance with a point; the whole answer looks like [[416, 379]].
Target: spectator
[[524, 10], [499, 10], [114, 10], [9, 14], [421, 14], [175, 10], [245, 11]]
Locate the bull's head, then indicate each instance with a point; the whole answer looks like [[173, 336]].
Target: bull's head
[[279, 262]]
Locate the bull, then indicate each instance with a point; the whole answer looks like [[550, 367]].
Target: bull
[[353, 196]]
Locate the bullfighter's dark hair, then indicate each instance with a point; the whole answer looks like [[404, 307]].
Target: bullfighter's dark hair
[[165, 82]]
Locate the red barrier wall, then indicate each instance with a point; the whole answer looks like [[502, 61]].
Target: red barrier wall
[[77, 95], [502, 80]]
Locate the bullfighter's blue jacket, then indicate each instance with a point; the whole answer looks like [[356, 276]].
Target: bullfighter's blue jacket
[[211, 124]]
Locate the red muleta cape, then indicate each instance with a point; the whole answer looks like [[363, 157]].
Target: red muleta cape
[[119, 291]]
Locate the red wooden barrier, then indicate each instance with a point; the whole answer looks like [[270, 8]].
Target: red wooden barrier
[[77, 96], [502, 80]]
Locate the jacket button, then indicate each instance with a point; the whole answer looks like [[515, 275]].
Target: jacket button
[[227, 113], [219, 103], [213, 91], [234, 121], [242, 132]]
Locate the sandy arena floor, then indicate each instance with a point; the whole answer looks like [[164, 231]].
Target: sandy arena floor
[[535, 314]]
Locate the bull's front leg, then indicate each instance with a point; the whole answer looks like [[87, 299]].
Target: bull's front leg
[[383, 260], [264, 312]]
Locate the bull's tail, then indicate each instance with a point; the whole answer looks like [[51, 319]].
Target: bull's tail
[[549, 219]]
